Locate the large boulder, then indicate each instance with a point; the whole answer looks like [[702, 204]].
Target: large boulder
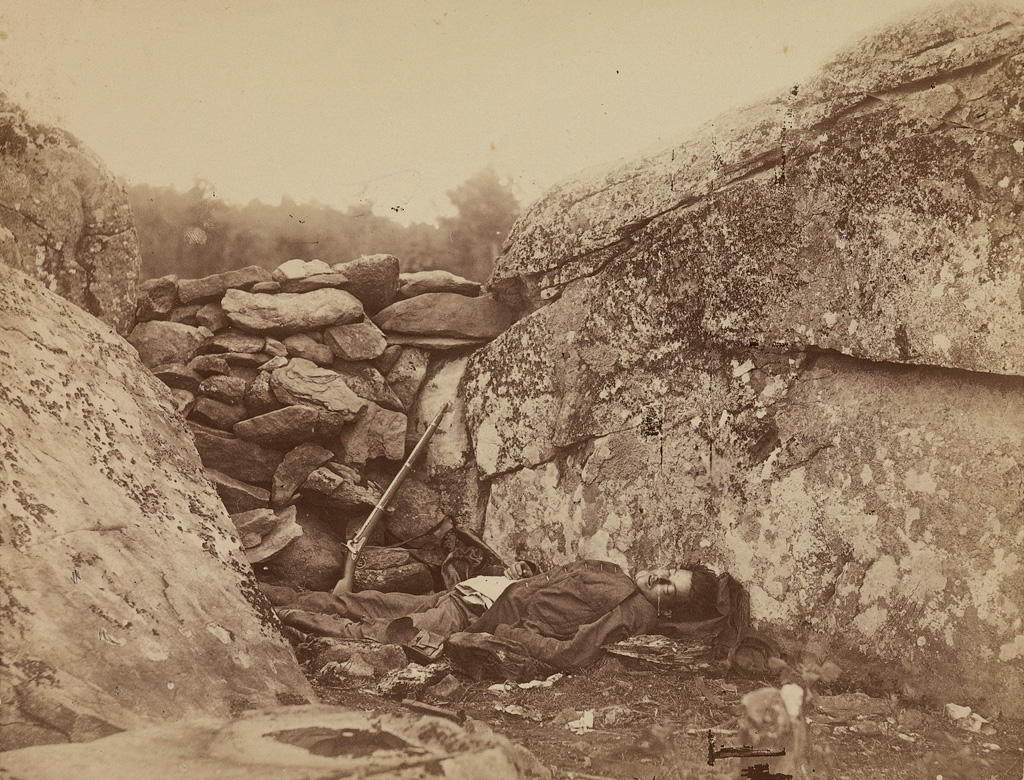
[[874, 210], [793, 345], [446, 314], [65, 220], [126, 597], [289, 743]]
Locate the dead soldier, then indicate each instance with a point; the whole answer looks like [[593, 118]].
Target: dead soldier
[[561, 618]]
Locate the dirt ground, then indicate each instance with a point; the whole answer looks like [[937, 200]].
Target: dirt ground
[[652, 724]]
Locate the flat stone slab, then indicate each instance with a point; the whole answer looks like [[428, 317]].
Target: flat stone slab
[[291, 425], [447, 314], [238, 458], [326, 487], [216, 285], [368, 383], [297, 465], [304, 346], [285, 313], [303, 382], [376, 433], [238, 496], [312, 742]]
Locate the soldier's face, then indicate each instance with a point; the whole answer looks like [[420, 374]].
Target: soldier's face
[[664, 587]]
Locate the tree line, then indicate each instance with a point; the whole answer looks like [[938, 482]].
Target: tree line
[[193, 234]]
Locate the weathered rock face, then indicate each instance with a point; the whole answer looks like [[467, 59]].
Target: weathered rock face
[[875, 210], [678, 391], [125, 596], [64, 220], [289, 743]]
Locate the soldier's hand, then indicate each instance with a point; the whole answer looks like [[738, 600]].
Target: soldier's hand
[[518, 570]]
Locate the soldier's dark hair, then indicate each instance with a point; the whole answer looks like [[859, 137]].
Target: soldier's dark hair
[[701, 603]]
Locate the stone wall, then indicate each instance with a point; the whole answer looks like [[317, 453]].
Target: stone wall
[[792, 345], [305, 389]]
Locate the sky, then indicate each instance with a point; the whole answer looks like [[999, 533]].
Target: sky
[[396, 102]]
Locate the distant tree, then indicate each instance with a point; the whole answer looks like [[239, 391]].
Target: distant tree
[[193, 234], [487, 209]]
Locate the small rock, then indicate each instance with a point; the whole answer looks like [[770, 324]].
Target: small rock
[[157, 298], [299, 269], [368, 383], [446, 315], [206, 365], [391, 570], [259, 398], [243, 460], [407, 375], [178, 375], [449, 689], [356, 341], [276, 539], [315, 282], [275, 348], [419, 282], [217, 414], [295, 469], [186, 315], [183, 401], [376, 433], [266, 287], [160, 342], [387, 359], [325, 487], [373, 279], [212, 316], [236, 495], [229, 389], [234, 341], [274, 363], [302, 345]]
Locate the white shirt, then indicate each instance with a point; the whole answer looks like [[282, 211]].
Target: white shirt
[[483, 590]]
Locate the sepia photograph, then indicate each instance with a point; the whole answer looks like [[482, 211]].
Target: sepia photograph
[[512, 389]]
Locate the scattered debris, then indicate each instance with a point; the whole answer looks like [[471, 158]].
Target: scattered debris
[[529, 713], [412, 680], [968, 720], [508, 686], [660, 651], [458, 716], [582, 725]]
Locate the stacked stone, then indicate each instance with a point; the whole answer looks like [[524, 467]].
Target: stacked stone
[[302, 389]]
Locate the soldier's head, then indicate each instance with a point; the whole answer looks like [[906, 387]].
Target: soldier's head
[[686, 593]]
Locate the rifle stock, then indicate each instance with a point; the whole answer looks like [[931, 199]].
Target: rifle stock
[[362, 536]]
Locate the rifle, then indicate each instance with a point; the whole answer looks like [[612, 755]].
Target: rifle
[[356, 543]]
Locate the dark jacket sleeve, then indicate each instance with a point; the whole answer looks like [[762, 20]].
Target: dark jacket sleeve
[[633, 616]]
